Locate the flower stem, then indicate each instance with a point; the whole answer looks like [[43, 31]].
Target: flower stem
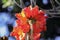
[[31, 29]]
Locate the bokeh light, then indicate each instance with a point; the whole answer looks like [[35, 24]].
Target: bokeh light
[[45, 2], [5, 19]]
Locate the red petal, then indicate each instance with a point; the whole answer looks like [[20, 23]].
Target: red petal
[[25, 28], [36, 36], [27, 12]]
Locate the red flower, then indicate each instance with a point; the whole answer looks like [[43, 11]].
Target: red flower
[[23, 26]]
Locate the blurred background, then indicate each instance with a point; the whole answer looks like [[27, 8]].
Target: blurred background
[[8, 8]]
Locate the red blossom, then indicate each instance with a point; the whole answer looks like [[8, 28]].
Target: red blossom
[[39, 24]]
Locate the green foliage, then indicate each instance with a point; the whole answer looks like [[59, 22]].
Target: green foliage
[[4, 1], [7, 3]]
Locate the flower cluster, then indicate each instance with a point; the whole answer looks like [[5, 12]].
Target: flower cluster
[[38, 21]]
